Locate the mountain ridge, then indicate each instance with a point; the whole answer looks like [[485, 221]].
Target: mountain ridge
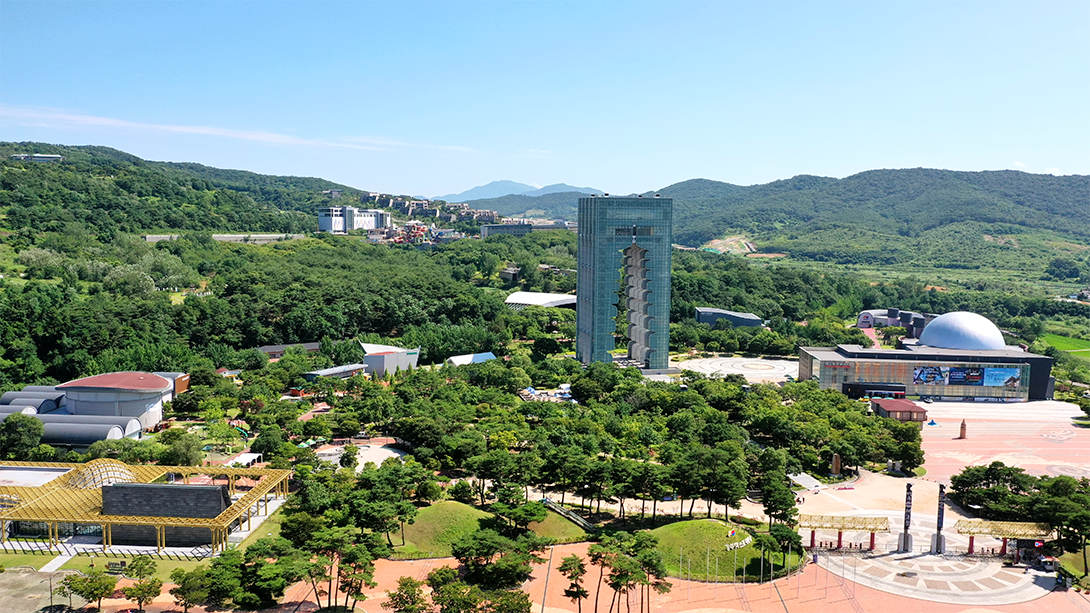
[[499, 189]]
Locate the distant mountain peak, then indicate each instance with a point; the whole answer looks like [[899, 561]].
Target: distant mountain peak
[[495, 189], [499, 189]]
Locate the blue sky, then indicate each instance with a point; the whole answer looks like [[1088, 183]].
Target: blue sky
[[432, 98]]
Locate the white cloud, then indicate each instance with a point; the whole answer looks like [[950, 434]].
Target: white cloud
[[51, 118], [536, 154], [1052, 171], [1018, 164]]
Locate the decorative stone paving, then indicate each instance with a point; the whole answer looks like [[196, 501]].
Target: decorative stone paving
[[941, 579]]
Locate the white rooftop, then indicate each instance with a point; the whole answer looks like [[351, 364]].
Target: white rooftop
[[540, 299], [369, 348]]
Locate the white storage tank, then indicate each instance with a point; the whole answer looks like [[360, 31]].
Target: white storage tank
[[120, 394]]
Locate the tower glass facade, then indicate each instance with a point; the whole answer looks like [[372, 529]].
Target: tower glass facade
[[629, 240]]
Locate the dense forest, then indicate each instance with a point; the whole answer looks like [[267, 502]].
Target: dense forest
[[111, 191], [86, 305]]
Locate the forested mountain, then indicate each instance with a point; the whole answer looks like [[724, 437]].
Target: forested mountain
[[929, 218], [557, 188], [109, 191], [559, 205], [889, 202]]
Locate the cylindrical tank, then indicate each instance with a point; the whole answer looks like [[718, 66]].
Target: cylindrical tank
[[128, 425], [7, 409], [41, 405], [40, 388], [79, 435], [56, 399]]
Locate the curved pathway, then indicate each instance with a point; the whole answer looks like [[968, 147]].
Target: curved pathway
[[937, 578]]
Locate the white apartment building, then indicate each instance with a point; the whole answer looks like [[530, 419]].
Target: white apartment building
[[341, 219]]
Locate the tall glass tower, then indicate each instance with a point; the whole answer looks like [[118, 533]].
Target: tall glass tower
[[624, 246]]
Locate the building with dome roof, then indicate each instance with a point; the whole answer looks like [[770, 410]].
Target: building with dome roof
[[957, 356]]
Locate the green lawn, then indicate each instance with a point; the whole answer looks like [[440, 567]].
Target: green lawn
[[439, 525], [270, 526], [693, 547], [1073, 562], [9, 560], [163, 568], [559, 528], [1066, 343]]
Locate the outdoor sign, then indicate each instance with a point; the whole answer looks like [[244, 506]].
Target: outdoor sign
[[1002, 377], [928, 375], [966, 375]]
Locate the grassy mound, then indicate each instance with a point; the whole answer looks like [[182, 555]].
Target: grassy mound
[[438, 526], [559, 528], [694, 547]]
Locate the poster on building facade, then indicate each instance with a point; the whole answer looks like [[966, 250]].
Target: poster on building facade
[[1002, 377], [965, 376], [930, 375]]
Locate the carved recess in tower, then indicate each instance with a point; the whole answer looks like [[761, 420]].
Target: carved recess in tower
[[638, 303]]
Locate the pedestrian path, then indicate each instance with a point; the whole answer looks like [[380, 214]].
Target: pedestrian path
[[805, 481], [949, 579], [55, 564]]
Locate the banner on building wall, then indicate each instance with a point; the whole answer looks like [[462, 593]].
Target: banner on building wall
[[1002, 377], [964, 375], [930, 375]]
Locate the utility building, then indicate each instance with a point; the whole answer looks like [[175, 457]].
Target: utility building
[[624, 263]]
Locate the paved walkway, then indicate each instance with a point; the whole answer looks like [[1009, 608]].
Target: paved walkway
[[951, 579], [872, 334], [55, 564], [1039, 437], [754, 369], [806, 481]]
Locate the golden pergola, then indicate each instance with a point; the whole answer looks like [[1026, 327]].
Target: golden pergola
[[840, 523], [76, 497], [1002, 529]]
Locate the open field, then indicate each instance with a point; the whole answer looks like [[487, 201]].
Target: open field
[[1066, 343]]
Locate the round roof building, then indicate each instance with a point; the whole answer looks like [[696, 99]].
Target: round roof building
[[962, 330]]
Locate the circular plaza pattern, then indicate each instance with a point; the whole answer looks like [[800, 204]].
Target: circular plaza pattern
[[752, 368]]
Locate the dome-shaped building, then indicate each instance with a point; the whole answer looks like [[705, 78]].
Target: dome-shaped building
[[963, 330], [958, 356]]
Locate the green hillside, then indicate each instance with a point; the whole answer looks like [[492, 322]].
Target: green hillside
[[438, 526], [1009, 223], [108, 191], [559, 205]]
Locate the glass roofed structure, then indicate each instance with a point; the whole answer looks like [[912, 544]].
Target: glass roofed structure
[[141, 504]]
